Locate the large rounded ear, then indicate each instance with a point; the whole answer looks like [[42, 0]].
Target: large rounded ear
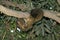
[[37, 14]]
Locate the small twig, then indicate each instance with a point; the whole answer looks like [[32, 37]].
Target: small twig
[[4, 35]]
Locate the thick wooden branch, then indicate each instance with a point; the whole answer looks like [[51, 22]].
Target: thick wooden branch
[[20, 14], [14, 13], [51, 15]]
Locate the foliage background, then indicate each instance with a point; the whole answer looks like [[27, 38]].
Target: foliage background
[[46, 29]]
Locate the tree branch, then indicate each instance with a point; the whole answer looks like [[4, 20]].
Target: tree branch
[[14, 13], [52, 15], [20, 14], [8, 3]]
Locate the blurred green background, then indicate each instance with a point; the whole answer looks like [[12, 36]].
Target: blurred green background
[[46, 29]]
